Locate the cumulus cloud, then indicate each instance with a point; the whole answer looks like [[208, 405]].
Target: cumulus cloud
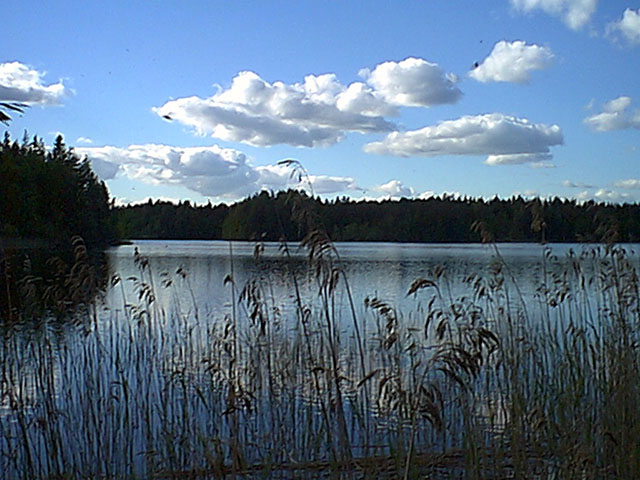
[[615, 115], [278, 177], [617, 105], [570, 184], [606, 195], [505, 139], [106, 170], [575, 13], [359, 97], [427, 194], [583, 196], [542, 164], [518, 159], [316, 112], [22, 84], [628, 26], [259, 113], [85, 140], [512, 62], [526, 194], [325, 184], [413, 82], [394, 188], [631, 183], [211, 171]]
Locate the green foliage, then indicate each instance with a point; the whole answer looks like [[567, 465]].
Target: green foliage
[[269, 216], [51, 195], [166, 220]]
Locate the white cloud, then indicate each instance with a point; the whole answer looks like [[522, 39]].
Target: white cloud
[[617, 105], [105, 169], [504, 138], [631, 183], [542, 164], [512, 62], [278, 177], [85, 140], [413, 82], [123, 201], [518, 159], [211, 171], [316, 112], [607, 121], [570, 184], [324, 184], [583, 196], [628, 26], [615, 116], [20, 83], [394, 188], [259, 113], [427, 194], [526, 194], [606, 195], [575, 13]]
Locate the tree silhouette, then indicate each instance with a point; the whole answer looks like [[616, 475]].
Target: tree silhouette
[[51, 196], [7, 107], [270, 216]]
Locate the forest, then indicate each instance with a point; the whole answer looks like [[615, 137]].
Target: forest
[[277, 216], [51, 195]]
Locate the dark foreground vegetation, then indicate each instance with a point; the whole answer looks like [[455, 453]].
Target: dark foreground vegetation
[[52, 209], [269, 216], [478, 386], [49, 195]]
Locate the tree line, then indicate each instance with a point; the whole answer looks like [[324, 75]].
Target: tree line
[[51, 194], [284, 215]]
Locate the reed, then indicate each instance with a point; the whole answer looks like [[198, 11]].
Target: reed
[[481, 385]]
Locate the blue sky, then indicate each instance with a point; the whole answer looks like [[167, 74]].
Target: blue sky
[[200, 100]]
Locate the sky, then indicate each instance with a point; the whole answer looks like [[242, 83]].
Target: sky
[[203, 100]]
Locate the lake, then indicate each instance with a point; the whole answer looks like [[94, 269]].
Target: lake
[[384, 270], [202, 356]]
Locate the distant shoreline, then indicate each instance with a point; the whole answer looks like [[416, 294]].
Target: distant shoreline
[[17, 243], [11, 243], [22, 243]]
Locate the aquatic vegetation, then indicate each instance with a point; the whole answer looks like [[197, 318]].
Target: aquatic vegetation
[[479, 385]]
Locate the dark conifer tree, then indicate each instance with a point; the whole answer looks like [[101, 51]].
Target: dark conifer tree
[[52, 195]]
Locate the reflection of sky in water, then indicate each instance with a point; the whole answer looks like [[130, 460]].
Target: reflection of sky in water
[[88, 366], [384, 270]]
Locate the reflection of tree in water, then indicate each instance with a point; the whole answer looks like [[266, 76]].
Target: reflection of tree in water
[[36, 283]]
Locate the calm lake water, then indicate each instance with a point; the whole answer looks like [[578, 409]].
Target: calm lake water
[[170, 372], [383, 270]]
